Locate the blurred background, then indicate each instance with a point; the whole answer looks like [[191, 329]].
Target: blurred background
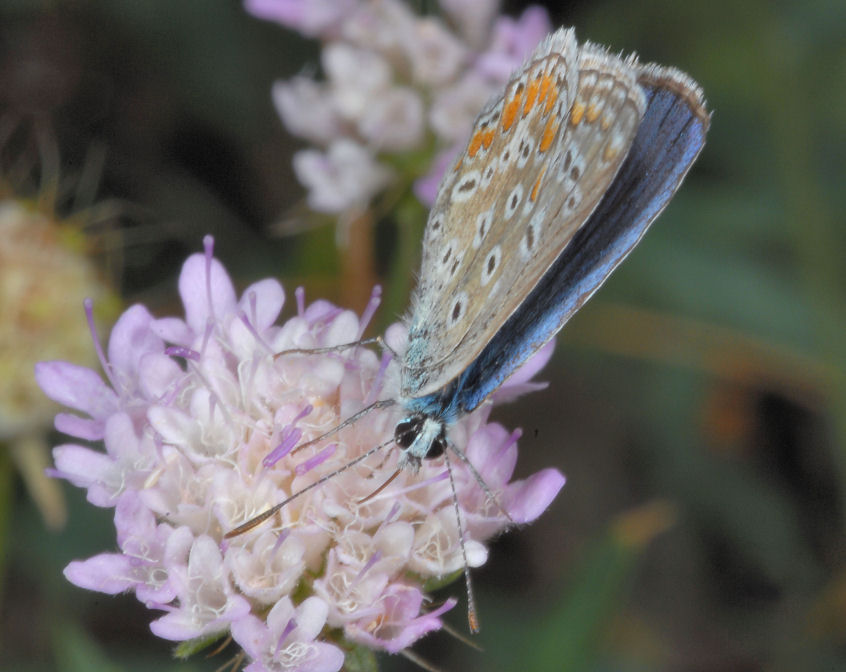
[[697, 405]]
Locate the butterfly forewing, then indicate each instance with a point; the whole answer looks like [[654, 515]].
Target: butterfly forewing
[[670, 136], [538, 163]]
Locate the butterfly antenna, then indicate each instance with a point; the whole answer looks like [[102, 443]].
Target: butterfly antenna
[[259, 519], [327, 349], [472, 614], [422, 663], [381, 487], [233, 663], [384, 403], [489, 495], [455, 634], [339, 348]]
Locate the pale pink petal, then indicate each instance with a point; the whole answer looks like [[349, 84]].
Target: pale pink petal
[[262, 302], [306, 108], [530, 498], [436, 55], [310, 17], [518, 383], [158, 375], [394, 120], [401, 624], [76, 386], [206, 290], [345, 177], [109, 573], [173, 330], [473, 17], [81, 466], [81, 428], [130, 340]]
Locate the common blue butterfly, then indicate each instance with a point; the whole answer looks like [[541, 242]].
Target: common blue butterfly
[[561, 178]]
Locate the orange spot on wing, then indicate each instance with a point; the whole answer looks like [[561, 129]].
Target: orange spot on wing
[[536, 186], [509, 113], [487, 137], [548, 134], [531, 96], [475, 144], [577, 113]]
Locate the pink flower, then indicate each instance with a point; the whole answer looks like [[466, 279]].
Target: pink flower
[[310, 17], [288, 639], [396, 83], [200, 422], [512, 41], [344, 178]]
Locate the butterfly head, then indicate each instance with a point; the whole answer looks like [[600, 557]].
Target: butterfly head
[[420, 436]]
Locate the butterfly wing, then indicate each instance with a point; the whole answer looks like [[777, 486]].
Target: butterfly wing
[[536, 166], [668, 140]]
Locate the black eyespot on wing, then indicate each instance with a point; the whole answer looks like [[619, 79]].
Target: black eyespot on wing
[[456, 311]]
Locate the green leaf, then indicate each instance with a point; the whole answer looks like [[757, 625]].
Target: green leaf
[[187, 649], [360, 659]]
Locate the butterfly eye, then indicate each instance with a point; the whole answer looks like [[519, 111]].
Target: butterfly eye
[[437, 447], [407, 430]]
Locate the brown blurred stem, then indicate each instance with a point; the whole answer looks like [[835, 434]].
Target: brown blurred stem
[[358, 271]]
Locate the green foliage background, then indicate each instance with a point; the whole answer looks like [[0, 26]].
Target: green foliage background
[[697, 404]]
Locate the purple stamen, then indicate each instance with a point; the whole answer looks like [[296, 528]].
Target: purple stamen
[[290, 438], [208, 247], [510, 441], [249, 324], [303, 413], [369, 310], [299, 292], [182, 351], [416, 486], [318, 459], [88, 305], [173, 392], [253, 306], [376, 557], [292, 625], [395, 509], [207, 333], [378, 379], [283, 535]]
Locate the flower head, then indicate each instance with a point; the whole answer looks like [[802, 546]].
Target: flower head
[[397, 86], [201, 422]]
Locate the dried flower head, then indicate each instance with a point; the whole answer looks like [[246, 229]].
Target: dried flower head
[[200, 421], [45, 272]]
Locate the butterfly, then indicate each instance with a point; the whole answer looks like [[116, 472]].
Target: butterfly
[[561, 178]]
